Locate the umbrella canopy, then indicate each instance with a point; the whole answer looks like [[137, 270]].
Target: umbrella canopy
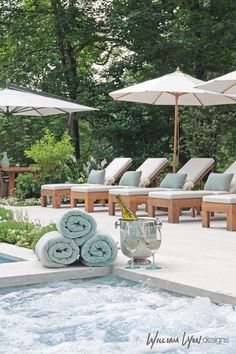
[[18, 100], [177, 89], [223, 84]]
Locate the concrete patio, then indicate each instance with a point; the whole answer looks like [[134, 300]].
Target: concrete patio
[[194, 261]]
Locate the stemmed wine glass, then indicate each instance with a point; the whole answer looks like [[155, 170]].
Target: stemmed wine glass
[[131, 242], [152, 241]]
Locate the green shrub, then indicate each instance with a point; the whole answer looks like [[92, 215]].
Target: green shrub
[[21, 233], [27, 186], [5, 215]]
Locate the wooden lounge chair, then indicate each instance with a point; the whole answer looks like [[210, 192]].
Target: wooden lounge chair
[[196, 169], [177, 200], [151, 169], [56, 191]]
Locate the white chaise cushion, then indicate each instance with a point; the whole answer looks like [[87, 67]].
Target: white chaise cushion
[[150, 168], [94, 188], [179, 194], [136, 191], [115, 168], [223, 198], [58, 186]]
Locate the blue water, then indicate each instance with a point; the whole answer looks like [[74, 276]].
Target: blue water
[[111, 316], [8, 259]]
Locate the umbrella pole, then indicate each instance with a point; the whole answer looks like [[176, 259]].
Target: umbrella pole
[[176, 124]]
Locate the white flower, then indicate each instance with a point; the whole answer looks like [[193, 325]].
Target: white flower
[[109, 181], [92, 159], [188, 185], [103, 163], [86, 168], [144, 182], [73, 158]]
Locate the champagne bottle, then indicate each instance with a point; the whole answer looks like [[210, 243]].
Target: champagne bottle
[[126, 213]]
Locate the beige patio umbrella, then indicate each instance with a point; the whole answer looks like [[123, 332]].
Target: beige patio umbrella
[[177, 89], [223, 84], [20, 101]]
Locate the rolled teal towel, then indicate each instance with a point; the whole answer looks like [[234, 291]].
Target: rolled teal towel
[[99, 251], [55, 251], [78, 225]]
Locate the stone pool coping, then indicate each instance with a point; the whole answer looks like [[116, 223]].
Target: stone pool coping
[[195, 261], [30, 271]]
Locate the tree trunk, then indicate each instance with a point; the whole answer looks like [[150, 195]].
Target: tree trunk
[[73, 129], [68, 63]]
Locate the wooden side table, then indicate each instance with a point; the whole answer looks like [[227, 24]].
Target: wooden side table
[[12, 171]]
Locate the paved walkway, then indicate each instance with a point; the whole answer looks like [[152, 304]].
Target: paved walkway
[[195, 261]]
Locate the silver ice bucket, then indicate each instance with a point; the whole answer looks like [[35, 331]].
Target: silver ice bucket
[[142, 226]]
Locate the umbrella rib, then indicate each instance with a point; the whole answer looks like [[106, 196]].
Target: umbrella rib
[[38, 112], [62, 110], [124, 95], [198, 99], [23, 109], [15, 110], [26, 109], [156, 99], [230, 97], [228, 88]]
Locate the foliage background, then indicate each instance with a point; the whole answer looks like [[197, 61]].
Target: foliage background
[[84, 50]]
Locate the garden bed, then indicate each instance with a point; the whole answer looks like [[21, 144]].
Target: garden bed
[[19, 231]]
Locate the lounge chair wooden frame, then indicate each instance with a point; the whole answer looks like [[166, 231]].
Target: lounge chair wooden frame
[[89, 199], [174, 206], [228, 208], [56, 196]]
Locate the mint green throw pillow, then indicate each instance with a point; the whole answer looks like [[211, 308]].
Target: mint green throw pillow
[[96, 177], [130, 178], [174, 180], [218, 182]]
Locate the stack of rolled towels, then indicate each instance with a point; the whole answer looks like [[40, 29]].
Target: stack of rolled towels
[[76, 238]]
